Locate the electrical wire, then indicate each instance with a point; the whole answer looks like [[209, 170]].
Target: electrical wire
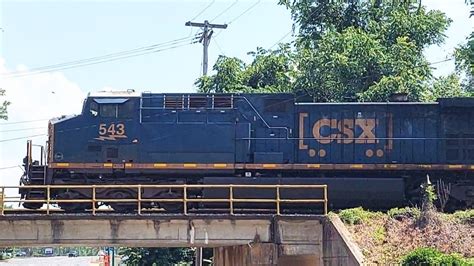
[[28, 73], [225, 10], [240, 15], [10, 167], [283, 37], [126, 52], [243, 13], [22, 129], [203, 10], [23, 122], [219, 47], [25, 137]]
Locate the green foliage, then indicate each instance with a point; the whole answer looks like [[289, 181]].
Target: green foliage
[[464, 55], [429, 193], [367, 58], [3, 106], [390, 19], [348, 50], [156, 256], [356, 215], [270, 71], [407, 212], [431, 256], [228, 78], [466, 216], [380, 234], [448, 86]]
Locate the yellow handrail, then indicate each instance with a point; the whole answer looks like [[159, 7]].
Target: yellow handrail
[[184, 197], [2, 201]]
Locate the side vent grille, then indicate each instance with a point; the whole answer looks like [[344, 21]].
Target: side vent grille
[[197, 102], [174, 102], [223, 102]]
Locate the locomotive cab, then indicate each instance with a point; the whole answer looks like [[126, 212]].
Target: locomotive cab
[[104, 132]]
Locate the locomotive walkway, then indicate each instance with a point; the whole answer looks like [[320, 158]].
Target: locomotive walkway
[[237, 238]]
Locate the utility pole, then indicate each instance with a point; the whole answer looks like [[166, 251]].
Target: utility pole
[[207, 30]]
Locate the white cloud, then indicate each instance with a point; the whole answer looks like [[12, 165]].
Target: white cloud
[[35, 97]]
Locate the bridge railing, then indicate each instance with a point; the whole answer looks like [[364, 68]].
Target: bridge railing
[[280, 196]]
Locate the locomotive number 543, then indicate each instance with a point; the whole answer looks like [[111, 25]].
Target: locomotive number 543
[[111, 131]]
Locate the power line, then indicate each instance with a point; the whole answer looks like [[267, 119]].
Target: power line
[[219, 47], [23, 122], [123, 54], [203, 10], [283, 37], [140, 49], [25, 137], [22, 129], [245, 12], [240, 15], [99, 61], [10, 167], [441, 61], [225, 10]]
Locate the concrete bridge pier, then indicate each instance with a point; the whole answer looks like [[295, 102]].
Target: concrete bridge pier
[[295, 242], [263, 254], [303, 243]]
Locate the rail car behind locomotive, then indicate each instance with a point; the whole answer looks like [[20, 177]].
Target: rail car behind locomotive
[[369, 154]]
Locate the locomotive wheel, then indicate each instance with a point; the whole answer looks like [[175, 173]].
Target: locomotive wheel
[[122, 206], [32, 205], [172, 207], [72, 206]]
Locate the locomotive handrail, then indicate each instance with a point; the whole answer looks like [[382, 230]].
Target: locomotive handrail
[[231, 198], [264, 121]]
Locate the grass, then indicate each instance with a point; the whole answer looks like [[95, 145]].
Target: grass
[[385, 238]]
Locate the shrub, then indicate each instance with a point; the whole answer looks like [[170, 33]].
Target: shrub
[[356, 215], [407, 212], [431, 256], [464, 216]]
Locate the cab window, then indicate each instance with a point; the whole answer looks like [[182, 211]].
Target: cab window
[[112, 108], [125, 110], [108, 110]]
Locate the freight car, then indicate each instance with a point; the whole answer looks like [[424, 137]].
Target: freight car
[[370, 154]]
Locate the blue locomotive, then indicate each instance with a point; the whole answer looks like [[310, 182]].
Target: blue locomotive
[[369, 154]]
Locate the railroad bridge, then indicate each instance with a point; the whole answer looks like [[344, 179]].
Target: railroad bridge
[[238, 237]]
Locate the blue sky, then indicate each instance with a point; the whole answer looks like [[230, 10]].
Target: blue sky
[[46, 32], [40, 33]]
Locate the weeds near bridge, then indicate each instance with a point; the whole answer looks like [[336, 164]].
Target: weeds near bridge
[[386, 238], [429, 216]]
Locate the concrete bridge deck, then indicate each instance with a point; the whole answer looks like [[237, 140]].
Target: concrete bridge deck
[[237, 239]]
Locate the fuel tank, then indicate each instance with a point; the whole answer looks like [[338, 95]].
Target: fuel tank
[[343, 192]]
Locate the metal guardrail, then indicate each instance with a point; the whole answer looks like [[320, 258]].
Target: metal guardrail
[[231, 200]]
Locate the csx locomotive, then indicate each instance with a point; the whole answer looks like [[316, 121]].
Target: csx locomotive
[[370, 154]]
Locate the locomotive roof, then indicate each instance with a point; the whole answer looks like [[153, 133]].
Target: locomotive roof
[[127, 93]]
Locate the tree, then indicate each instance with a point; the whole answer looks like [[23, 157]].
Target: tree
[[464, 56], [448, 86], [3, 106], [367, 51], [270, 71], [156, 256], [346, 50]]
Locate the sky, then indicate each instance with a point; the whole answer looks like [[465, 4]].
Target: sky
[[42, 33]]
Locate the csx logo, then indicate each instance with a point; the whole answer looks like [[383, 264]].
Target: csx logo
[[343, 131]]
